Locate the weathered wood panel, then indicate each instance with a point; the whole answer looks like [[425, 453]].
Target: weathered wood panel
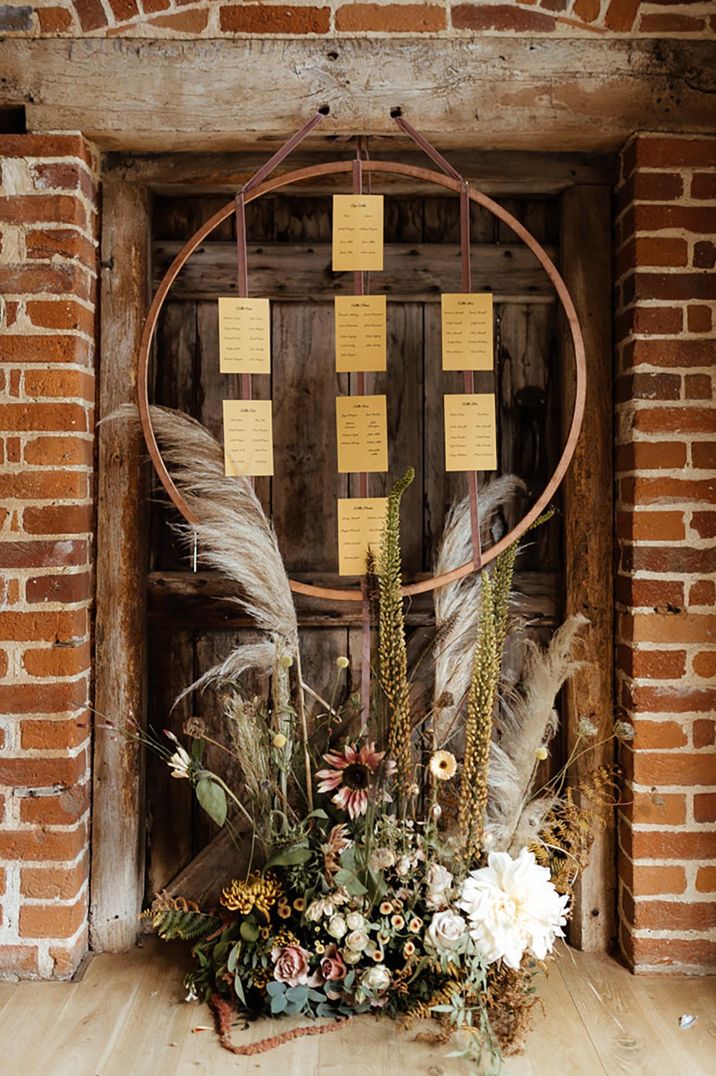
[[588, 500], [588, 93], [303, 272], [117, 879]]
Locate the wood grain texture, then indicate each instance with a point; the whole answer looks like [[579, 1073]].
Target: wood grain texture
[[117, 882], [224, 94], [496, 172], [303, 272], [127, 1015], [588, 506]]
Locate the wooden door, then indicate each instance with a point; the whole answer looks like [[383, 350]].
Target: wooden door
[[190, 626]]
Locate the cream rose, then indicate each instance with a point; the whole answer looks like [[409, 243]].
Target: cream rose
[[447, 932], [438, 882]]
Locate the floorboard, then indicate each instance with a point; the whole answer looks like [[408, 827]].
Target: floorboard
[[126, 1015]]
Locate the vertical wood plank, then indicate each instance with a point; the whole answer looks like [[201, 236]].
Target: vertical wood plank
[[585, 258], [117, 883]]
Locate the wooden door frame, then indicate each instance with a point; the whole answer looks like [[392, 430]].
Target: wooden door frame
[[118, 816]]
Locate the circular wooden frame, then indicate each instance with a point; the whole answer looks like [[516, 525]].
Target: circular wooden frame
[[427, 176]]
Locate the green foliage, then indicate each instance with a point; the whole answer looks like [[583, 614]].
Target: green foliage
[[392, 656], [185, 924], [212, 798]]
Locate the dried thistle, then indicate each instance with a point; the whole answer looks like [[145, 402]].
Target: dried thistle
[[392, 656]]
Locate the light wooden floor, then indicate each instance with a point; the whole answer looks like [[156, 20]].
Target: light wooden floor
[[126, 1017]]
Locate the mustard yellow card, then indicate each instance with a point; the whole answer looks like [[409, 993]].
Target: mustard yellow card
[[360, 525], [248, 437], [362, 434], [470, 432], [358, 232], [244, 336], [360, 332], [467, 331]]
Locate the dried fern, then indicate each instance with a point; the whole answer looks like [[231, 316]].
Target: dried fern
[[174, 918]]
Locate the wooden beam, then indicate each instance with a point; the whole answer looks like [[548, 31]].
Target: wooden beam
[[494, 172], [585, 259], [489, 92], [303, 272], [205, 600], [118, 835]]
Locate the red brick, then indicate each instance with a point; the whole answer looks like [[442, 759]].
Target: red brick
[[63, 809], [666, 559], [45, 735], [40, 845], [75, 587], [54, 20], [44, 485], [57, 660], [651, 881], [656, 320], [60, 314], [698, 953], [643, 386], [52, 883], [58, 519], [66, 958], [3, 663], [390, 18], [49, 416], [665, 251], [186, 22], [274, 19], [42, 698], [42, 554], [704, 258], [151, 6], [706, 880], [702, 592], [645, 456], [664, 490], [654, 665], [705, 803], [676, 152], [672, 768], [675, 915], [653, 808], [586, 10], [660, 594], [52, 920], [703, 185], [675, 420], [620, 15], [705, 663], [650, 217], [67, 451], [698, 387], [670, 286], [123, 10], [45, 348], [674, 353], [704, 523], [61, 279], [666, 700], [73, 384], [19, 959], [61, 242], [670, 844], [661, 735], [90, 13], [670, 23], [42, 208], [499, 17], [58, 626], [650, 526], [704, 732]]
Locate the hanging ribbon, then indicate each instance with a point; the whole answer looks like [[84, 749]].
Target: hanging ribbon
[[466, 285]]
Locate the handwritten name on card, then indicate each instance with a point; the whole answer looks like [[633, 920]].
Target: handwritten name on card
[[360, 526], [467, 332], [362, 429], [244, 336], [358, 232], [360, 332], [470, 432], [248, 437]]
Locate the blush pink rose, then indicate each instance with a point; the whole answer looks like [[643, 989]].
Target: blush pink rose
[[332, 965], [290, 965]]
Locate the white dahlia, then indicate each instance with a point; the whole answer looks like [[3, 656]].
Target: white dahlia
[[513, 908]]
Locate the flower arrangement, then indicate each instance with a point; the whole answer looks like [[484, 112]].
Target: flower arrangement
[[397, 858]]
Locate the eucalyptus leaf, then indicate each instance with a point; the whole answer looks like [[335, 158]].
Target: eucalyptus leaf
[[239, 988], [274, 988], [278, 1004], [233, 958], [249, 930], [213, 799]]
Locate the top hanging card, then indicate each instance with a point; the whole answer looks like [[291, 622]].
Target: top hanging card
[[244, 336], [467, 331], [358, 233]]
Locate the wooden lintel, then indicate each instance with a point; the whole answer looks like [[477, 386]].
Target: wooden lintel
[[488, 92], [494, 172]]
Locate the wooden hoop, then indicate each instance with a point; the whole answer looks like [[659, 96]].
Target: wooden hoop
[[427, 176]]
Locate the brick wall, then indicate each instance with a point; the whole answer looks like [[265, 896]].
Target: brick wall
[[219, 18], [666, 523], [48, 222]]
